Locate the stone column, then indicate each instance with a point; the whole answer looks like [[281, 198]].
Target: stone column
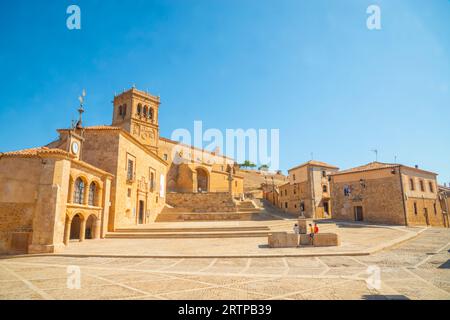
[[98, 197], [230, 184], [67, 231], [86, 194], [71, 190], [82, 230]]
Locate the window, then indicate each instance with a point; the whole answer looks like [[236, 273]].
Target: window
[[124, 111], [78, 196], [293, 177], [431, 186], [422, 186], [152, 181], [285, 192], [130, 170], [286, 205], [324, 188], [120, 110], [165, 156], [150, 114], [92, 192], [411, 184], [324, 174], [129, 193], [415, 208], [145, 111], [139, 109]]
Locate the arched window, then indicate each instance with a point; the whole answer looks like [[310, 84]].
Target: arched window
[[139, 109], [145, 111], [120, 110], [325, 188], [150, 114], [92, 194], [78, 196]]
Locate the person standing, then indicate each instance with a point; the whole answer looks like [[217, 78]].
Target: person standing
[[316, 228], [296, 229], [311, 233]]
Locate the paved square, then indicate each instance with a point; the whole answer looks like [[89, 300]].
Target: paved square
[[415, 269]]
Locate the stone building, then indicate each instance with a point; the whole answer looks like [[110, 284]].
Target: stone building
[[388, 194], [444, 200], [307, 192], [96, 179], [49, 196]]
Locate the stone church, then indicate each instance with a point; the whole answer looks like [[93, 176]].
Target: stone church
[[92, 180]]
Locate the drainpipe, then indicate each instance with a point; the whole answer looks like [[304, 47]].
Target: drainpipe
[[403, 195]]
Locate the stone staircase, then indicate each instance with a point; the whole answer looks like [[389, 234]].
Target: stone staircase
[[190, 232], [246, 206], [243, 211]]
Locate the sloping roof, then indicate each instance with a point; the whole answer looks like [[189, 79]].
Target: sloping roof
[[101, 127], [45, 151], [36, 152], [192, 147], [315, 163], [376, 166]]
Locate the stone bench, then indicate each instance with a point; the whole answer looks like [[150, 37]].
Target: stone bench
[[283, 240], [320, 240]]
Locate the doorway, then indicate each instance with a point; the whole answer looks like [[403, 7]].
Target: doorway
[[326, 208], [75, 227], [202, 180], [425, 213], [359, 213], [141, 212]]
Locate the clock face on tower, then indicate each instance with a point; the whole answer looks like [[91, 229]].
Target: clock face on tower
[[75, 147]]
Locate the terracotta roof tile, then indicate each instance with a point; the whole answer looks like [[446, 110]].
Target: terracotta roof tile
[[35, 152], [377, 165], [315, 164]]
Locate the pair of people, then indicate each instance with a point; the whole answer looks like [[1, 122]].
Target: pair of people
[[312, 229]]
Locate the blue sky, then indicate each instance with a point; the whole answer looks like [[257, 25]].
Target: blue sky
[[309, 68]]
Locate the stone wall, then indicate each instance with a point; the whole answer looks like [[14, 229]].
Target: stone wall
[[380, 197], [202, 202], [14, 217]]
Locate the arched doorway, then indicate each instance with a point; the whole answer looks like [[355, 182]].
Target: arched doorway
[[75, 227], [202, 180], [90, 225]]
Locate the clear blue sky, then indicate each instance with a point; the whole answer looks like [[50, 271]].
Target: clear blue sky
[[308, 67]]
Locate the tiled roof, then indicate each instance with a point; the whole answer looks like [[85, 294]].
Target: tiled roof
[[104, 127], [375, 166], [315, 164], [35, 152]]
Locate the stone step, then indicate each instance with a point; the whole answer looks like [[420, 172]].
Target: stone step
[[172, 235], [189, 216], [249, 209], [192, 229]]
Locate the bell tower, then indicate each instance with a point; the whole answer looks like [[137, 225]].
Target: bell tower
[[136, 112]]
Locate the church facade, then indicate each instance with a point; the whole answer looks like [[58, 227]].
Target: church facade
[[92, 180]]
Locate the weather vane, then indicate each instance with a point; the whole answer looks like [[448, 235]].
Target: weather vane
[[81, 109]]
